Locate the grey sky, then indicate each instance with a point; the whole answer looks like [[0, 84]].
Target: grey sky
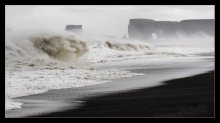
[[107, 20]]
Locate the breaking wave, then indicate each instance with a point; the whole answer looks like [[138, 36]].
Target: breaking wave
[[44, 49], [127, 46], [60, 47], [56, 48]]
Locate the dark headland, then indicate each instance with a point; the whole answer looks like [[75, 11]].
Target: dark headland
[[145, 28], [185, 97], [74, 28]]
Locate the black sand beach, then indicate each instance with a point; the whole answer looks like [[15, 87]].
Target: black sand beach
[[185, 97]]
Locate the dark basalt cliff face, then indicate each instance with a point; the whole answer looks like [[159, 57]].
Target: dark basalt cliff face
[[145, 28], [74, 28]]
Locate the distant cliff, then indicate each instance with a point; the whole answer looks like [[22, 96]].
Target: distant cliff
[[145, 28], [74, 28]]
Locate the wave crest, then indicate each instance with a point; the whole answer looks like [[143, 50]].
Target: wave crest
[[126, 46], [60, 47]]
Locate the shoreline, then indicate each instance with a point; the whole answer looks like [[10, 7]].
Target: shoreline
[[73, 98], [185, 97]]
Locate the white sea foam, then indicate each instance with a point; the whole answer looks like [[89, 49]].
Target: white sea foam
[[10, 104], [34, 81]]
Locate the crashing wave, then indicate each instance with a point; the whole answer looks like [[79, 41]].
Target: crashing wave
[[127, 46], [60, 47], [44, 49], [55, 48]]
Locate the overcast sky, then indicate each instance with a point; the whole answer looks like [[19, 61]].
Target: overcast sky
[[107, 20]]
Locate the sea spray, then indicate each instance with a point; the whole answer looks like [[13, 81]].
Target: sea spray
[[60, 47]]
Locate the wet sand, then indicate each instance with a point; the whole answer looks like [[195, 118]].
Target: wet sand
[[186, 97]]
